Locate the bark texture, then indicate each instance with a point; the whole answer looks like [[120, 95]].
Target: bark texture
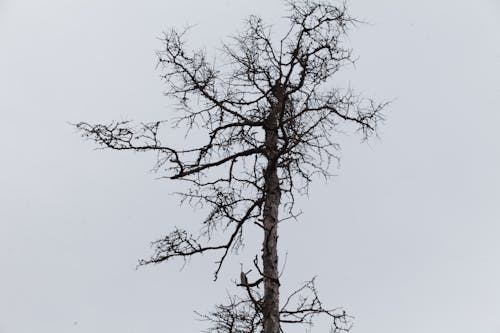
[[271, 310]]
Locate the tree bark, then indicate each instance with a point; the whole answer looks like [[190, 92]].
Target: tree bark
[[270, 215]]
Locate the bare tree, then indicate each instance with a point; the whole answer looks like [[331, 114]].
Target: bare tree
[[270, 113]]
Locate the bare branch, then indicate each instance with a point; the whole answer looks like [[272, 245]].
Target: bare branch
[[270, 116]]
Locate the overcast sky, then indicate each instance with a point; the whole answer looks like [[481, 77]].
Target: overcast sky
[[405, 237]]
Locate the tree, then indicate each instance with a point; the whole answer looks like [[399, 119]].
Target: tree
[[269, 114]]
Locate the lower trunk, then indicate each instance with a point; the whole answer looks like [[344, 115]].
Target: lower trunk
[[271, 310], [270, 255]]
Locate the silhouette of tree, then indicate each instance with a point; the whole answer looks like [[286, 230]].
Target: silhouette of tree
[[270, 113]]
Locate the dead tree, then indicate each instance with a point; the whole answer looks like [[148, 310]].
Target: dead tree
[[270, 113]]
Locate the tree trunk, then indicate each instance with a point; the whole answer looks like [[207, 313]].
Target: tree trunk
[[270, 215]]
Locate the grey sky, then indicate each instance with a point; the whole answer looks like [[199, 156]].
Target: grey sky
[[405, 237]]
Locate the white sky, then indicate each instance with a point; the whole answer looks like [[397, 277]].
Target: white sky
[[405, 237]]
